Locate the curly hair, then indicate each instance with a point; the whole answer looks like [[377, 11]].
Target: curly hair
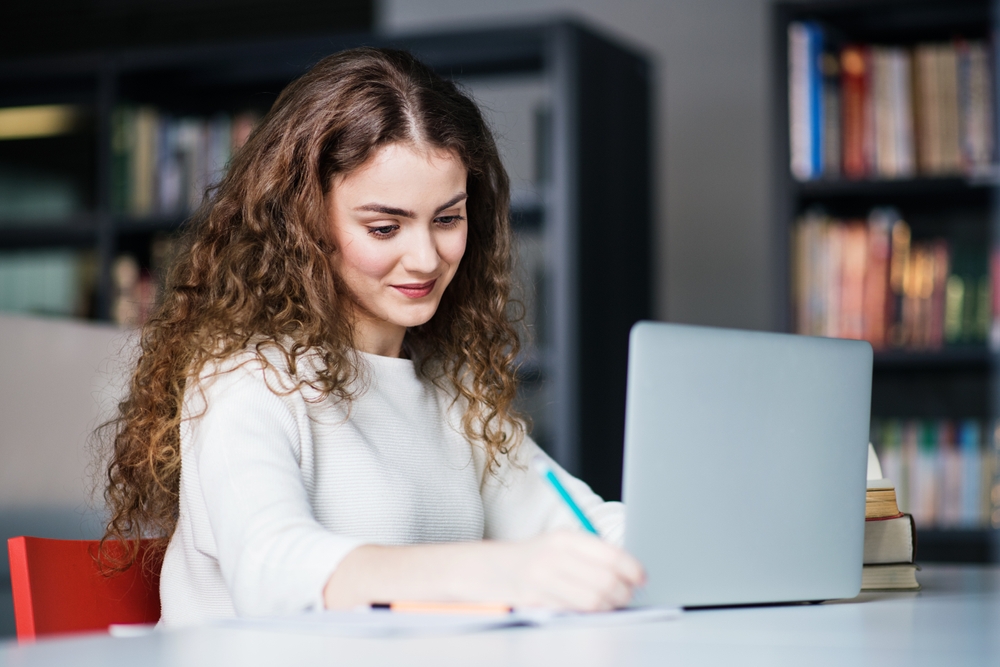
[[257, 271]]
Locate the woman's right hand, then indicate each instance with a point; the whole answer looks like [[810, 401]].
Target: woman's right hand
[[566, 569]]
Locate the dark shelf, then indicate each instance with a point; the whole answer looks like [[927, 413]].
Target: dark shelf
[[150, 225], [959, 356], [897, 21], [933, 206], [958, 545], [921, 185], [76, 233]]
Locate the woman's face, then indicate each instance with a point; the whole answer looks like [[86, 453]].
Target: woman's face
[[399, 224]]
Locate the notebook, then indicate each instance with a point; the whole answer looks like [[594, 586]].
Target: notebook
[[745, 465]]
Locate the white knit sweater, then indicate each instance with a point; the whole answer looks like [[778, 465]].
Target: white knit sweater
[[277, 487]]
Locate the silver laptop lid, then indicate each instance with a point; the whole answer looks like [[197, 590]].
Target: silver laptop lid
[[745, 461]]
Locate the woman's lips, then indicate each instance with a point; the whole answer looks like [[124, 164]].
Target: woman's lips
[[416, 290]]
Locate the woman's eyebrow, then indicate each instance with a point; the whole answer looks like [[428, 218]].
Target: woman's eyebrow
[[374, 207], [451, 202], [388, 210]]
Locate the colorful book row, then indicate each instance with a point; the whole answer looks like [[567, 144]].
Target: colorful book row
[[870, 111], [163, 165], [945, 471], [869, 279]]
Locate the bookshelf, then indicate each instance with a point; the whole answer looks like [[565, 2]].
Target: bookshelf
[[576, 102], [875, 107]]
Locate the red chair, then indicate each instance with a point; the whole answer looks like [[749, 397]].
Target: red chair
[[59, 588]]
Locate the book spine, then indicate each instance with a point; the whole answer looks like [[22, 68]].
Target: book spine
[[799, 105], [949, 505], [884, 132], [951, 154], [902, 95], [877, 281], [855, 249], [899, 267], [994, 339], [833, 269], [832, 116], [941, 268], [990, 506], [925, 92], [852, 67], [816, 98]]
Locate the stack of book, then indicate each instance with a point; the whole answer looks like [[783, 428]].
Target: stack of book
[[890, 542], [868, 279], [163, 165], [870, 111], [945, 471]]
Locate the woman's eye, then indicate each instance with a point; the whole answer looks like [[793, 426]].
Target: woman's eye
[[449, 220], [383, 232]]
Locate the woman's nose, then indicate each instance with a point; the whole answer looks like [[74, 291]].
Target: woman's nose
[[422, 255]]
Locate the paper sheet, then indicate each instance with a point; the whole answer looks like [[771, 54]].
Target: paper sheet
[[378, 623]]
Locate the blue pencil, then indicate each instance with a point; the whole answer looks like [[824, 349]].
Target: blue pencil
[[542, 466]]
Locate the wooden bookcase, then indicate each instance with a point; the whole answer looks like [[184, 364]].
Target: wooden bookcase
[[954, 382], [589, 207]]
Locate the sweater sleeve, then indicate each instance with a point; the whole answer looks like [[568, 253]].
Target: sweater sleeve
[[248, 444], [519, 504]]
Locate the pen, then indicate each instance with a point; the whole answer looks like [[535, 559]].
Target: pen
[[542, 466], [484, 608]]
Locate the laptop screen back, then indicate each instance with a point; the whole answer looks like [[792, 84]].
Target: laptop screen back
[[745, 461]]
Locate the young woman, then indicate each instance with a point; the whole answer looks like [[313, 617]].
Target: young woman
[[321, 415]]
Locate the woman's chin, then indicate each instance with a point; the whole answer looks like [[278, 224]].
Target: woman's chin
[[414, 315]]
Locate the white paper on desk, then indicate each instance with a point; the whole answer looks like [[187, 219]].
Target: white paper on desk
[[542, 618], [378, 623]]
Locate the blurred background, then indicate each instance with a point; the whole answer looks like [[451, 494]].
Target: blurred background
[[826, 168]]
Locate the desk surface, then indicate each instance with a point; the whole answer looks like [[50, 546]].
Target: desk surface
[[955, 620]]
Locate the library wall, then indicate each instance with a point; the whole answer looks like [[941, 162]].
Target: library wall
[[715, 261]]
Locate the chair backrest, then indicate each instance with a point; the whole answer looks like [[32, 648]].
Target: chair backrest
[[59, 588]]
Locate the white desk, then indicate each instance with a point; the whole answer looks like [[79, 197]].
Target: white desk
[[954, 621]]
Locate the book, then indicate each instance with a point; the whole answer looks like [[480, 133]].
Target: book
[[832, 122], [890, 577], [975, 102], [880, 500], [892, 111], [950, 132], [799, 100], [854, 102], [890, 540]]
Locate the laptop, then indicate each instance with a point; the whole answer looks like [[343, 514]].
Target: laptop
[[745, 465]]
